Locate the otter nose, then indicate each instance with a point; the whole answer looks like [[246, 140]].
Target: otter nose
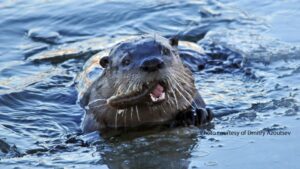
[[151, 65]]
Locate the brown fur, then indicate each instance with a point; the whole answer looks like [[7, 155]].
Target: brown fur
[[116, 82]]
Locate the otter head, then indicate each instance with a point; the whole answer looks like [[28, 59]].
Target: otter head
[[148, 72]]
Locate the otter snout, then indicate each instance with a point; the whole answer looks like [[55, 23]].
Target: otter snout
[[152, 64]]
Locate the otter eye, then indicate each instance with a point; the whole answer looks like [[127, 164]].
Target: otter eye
[[165, 51], [104, 61], [125, 62]]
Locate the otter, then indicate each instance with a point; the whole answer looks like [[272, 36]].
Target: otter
[[143, 83]]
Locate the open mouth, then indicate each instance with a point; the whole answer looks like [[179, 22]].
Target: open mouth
[[151, 93], [158, 93]]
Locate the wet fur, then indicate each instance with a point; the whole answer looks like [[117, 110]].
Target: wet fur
[[181, 97]]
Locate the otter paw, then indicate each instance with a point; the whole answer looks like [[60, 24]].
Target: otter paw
[[203, 115]]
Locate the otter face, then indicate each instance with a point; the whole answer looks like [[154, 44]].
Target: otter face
[[148, 72]]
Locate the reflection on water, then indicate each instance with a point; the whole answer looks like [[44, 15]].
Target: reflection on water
[[40, 117]]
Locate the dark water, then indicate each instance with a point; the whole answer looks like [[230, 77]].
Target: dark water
[[40, 117]]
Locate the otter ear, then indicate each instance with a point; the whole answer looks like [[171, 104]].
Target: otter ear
[[174, 41], [104, 61]]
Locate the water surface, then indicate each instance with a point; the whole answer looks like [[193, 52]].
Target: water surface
[[40, 117]]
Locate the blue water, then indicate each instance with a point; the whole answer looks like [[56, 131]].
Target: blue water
[[40, 117]]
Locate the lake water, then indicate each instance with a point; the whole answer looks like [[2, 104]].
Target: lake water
[[258, 114]]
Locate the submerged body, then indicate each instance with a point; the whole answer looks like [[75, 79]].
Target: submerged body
[[144, 83]]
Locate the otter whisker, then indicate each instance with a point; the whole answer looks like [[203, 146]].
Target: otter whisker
[[182, 72], [127, 90], [177, 89], [134, 86], [175, 85], [96, 106], [130, 87], [117, 83], [94, 101], [131, 111], [169, 100], [179, 78], [188, 95], [189, 76], [185, 76], [137, 113], [131, 84], [174, 94], [116, 119], [125, 114], [139, 86], [183, 90]]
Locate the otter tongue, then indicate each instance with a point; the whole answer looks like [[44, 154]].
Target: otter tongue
[[157, 91]]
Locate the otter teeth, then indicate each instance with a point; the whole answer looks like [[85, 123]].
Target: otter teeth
[[160, 98]]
